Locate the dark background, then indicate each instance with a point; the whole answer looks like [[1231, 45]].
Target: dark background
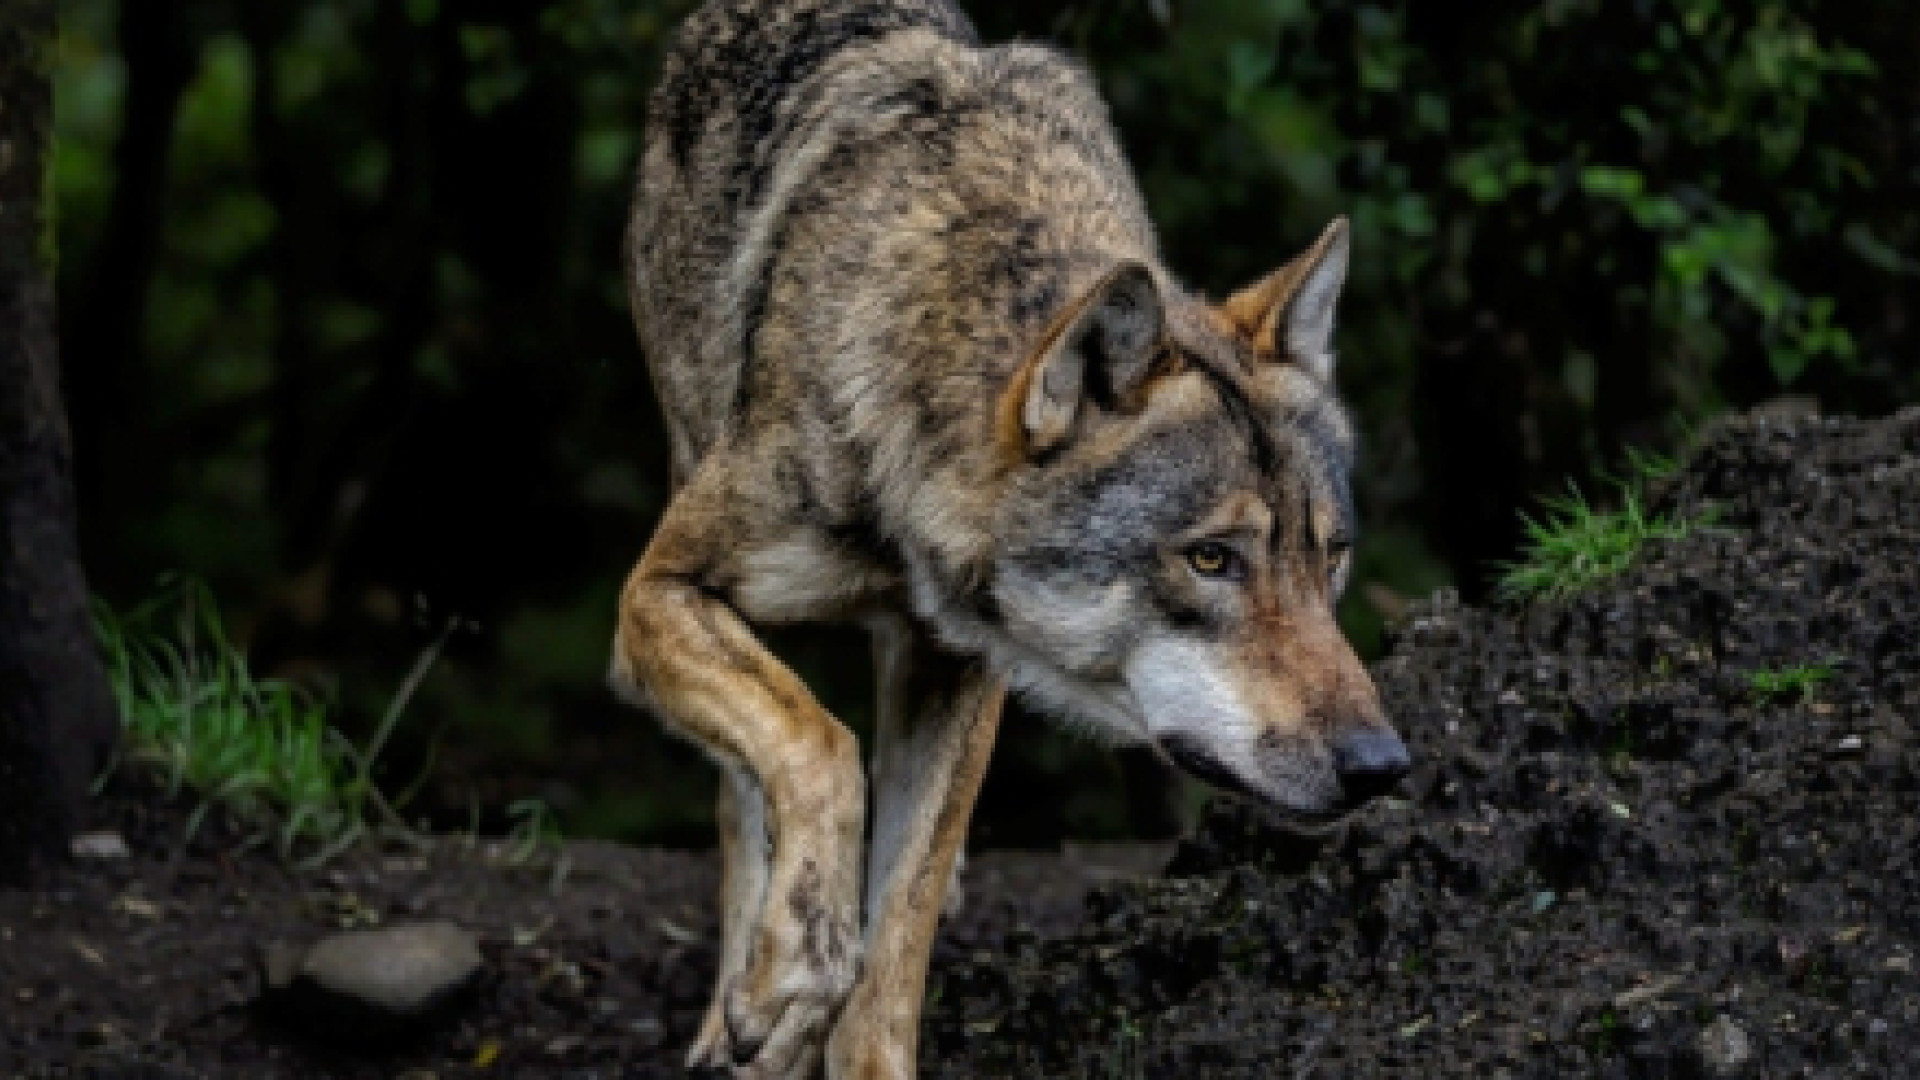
[[345, 334]]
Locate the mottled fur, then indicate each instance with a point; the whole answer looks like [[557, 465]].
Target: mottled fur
[[922, 367]]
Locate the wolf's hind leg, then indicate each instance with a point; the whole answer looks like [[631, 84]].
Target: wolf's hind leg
[[696, 660], [938, 716], [740, 811]]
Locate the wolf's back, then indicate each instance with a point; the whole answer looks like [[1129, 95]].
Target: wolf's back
[[736, 67], [730, 104]]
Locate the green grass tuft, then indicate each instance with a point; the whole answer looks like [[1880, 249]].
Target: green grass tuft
[[261, 748], [1574, 546], [264, 749], [1796, 683]]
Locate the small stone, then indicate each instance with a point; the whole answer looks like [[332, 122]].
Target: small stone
[[1725, 1046], [380, 981], [135, 905], [99, 845], [97, 1035]]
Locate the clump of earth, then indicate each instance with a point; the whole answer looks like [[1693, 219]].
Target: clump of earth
[[1626, 851]]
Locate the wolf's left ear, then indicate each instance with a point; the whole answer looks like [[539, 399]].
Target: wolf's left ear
[[1100, 350], [1289, 313]]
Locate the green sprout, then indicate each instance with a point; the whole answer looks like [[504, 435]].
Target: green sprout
[[1795, 683]]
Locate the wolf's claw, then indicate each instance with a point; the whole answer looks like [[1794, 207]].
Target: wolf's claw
[[780, 1010], [794, 1048], [710, 1049]]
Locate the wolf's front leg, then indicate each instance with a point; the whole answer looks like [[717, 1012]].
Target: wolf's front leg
[[690, 653], [938, 717], [740, 811]]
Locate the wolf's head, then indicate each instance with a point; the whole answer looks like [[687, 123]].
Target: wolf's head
[[1179, 525]]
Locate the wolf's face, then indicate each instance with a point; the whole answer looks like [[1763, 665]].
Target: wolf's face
[[1170, 555]]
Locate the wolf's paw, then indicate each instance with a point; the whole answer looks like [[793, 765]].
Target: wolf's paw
[[863, 1049], [780, 1009]]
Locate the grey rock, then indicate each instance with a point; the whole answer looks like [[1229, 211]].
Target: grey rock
[[376, 981], [99, 845], [1725, 1046]]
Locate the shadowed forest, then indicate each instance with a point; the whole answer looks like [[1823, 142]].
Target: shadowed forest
[[344, 333]]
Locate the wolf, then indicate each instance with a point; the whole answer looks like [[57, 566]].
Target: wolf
[[923, 370]]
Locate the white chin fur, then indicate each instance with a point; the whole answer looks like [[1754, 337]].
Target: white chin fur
[[1181, 688]]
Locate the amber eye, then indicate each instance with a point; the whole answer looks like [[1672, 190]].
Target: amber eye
[[1213, 559]]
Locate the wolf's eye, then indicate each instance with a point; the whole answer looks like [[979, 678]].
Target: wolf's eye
[[1213, 559]]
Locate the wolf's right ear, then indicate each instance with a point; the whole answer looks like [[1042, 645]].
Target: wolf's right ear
[[1100, 349], [1289, 313]]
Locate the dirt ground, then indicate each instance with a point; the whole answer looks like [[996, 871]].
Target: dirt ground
[[150, 967], [1615, 858]]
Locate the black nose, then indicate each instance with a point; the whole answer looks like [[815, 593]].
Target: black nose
[[1369, 761]]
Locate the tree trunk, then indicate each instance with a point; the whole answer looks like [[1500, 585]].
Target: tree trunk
[[56, 714]]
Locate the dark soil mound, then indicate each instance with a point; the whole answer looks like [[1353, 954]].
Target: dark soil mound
[[1617, 858]]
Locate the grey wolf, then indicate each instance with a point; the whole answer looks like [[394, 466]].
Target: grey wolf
[[923, 369]]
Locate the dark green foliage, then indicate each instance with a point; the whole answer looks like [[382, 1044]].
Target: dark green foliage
[[347, 335], [1577, 220]]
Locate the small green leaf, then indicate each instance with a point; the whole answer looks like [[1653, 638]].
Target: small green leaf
[[1607, 181], [1248, 66]]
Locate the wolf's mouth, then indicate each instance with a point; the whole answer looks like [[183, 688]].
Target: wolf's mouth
[[1200, 763]]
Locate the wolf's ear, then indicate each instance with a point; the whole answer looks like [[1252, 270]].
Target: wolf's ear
[[1289, 313], [1101, 349]]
